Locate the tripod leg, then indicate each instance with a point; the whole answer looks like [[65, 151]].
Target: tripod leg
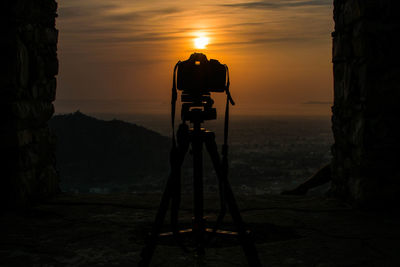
[[213, 152], [244, 236], [183, 146], [148, 250], [175, 203], [177, 156], [198, 220]]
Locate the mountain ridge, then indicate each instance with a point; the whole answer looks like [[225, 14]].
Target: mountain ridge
[[96, 153]]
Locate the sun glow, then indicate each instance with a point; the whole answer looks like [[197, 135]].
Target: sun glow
[[201, 42]]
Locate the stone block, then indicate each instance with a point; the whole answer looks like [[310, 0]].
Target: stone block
[[352, 11], [22, 64], [48, 36], [35, 110], [342, 48], [48, 180]]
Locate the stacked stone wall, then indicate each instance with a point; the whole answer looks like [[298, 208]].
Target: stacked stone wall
[[27, 89], [365, 121]]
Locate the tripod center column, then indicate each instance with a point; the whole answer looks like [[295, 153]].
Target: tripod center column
[[198, 222]]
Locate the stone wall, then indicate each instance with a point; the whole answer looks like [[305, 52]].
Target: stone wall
[[366, 57], [27, 89]]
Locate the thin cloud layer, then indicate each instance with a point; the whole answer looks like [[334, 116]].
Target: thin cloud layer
[[273, 4], [99, 20]]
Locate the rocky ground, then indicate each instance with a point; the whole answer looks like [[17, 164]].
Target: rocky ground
[[109, 230]]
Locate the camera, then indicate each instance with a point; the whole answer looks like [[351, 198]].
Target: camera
[[199, 76]]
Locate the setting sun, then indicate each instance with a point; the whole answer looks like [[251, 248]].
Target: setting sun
[[201, 42]]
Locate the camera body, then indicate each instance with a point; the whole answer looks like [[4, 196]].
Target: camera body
[[199, 76]]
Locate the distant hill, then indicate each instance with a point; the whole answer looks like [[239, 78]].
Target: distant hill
[[97, 153]]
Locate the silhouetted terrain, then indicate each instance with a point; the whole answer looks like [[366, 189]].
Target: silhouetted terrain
[[267, 155], [94, 154]]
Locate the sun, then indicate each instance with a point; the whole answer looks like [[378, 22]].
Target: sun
[[201, 42]]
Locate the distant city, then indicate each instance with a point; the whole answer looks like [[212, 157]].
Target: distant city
[[267, 155]]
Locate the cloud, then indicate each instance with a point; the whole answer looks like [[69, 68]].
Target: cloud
[[70, 12], [273, 4], [146, 37], [317, 103], [104, 11], [264, 41], [127, 16], [114, 23]]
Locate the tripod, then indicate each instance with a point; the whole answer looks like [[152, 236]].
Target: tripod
[[198, 136]]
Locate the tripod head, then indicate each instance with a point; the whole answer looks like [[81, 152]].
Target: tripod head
[[197, 108]]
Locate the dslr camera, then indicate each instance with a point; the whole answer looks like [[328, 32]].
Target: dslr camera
[[197, 77]]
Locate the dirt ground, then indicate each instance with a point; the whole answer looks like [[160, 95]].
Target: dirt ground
[[110, 230]]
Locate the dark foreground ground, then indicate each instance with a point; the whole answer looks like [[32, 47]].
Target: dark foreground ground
[[109, 230]]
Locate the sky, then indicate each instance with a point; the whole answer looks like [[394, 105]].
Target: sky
[[118, 56]]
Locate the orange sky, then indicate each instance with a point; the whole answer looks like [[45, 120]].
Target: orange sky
[[118, 56]]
